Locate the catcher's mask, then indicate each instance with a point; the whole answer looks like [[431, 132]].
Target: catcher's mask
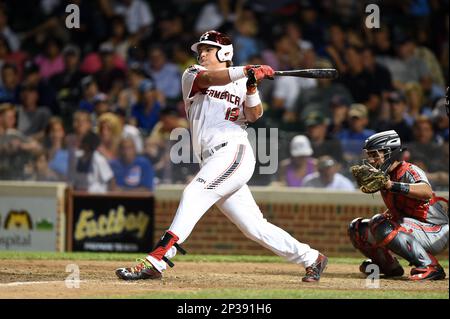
[[387, 142], [217, 39]]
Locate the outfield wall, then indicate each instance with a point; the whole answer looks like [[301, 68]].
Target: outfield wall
[[315, 217]]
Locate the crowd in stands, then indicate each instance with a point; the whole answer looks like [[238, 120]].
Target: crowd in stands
[[94, 106]]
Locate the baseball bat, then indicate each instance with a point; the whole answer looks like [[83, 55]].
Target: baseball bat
[[310, 73]]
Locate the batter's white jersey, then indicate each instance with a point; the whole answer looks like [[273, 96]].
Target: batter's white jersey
[[215, 114]]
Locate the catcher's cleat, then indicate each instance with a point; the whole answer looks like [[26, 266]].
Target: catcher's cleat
[[432, 272], [397, 271], [143, 270], [314, 271]]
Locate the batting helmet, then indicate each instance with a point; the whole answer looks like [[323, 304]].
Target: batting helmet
[[217, 39], [387, 141]]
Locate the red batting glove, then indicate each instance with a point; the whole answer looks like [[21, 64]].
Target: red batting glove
[[261, 71]]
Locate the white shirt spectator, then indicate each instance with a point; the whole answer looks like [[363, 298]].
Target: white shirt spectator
[[130, 131], [98, 177], [137, 15], [340, 182], [288, 88]]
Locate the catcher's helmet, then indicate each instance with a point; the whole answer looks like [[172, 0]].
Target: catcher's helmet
[[387, 141], [217, 39]]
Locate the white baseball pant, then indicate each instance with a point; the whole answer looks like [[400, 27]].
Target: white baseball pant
[[222, 180]]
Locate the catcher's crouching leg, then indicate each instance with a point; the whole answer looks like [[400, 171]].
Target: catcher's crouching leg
[[362, 240], [396, 238], [155, 263]]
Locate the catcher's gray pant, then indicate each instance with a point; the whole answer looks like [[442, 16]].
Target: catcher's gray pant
[[433, 238], [222, 180]]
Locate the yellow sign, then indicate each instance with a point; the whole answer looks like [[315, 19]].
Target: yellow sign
[[115, 222], [18, 220]]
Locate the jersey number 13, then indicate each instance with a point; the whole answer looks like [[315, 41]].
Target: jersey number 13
[[232, 114]]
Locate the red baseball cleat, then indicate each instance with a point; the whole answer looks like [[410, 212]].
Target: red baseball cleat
[[432, 272], [143, 270], [314, 271]]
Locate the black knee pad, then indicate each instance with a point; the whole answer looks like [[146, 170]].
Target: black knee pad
[[382, 228], [358, 231]]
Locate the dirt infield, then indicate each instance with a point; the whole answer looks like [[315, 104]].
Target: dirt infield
[[46, 279]]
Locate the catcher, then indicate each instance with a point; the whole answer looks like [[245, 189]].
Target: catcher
[[415, 224]]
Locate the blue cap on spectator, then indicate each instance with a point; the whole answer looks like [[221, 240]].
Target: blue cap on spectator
[[146, 85]]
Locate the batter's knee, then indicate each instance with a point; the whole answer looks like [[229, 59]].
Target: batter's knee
[[358, 231]]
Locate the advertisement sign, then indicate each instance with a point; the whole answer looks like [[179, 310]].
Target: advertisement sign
[[111, 222], [30, 217]]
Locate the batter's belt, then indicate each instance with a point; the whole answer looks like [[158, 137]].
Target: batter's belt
[[207, 153]]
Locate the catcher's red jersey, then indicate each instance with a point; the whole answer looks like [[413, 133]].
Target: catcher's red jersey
[[400, 205]]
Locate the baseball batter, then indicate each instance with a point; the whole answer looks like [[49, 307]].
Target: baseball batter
[[219, 101]]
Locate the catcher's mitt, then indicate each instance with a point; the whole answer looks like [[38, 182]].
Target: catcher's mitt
[[369, 179]]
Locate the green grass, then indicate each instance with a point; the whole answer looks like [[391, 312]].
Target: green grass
[[292, 294], [187, 258]]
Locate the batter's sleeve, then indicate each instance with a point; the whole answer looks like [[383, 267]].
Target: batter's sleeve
[[187, 81]]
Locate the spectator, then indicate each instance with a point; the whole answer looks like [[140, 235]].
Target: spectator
[[40, 170], [287, 89], [101, 106], [5, 31], [158, 146], [407, 67], [166, 75], [440, 121], [359, 81], [54, 143], [67, 82], [118, 39], [353, 138], [32, 119], [132, 172], [319, 98], [130, 131], [81, 124], [146, 111], [16, 149], [47, 94], [181, 57], [51, 62], [327, 176], [424, 149], [110, 78], [138, 17], [110, 131], [336, 47], [399, 119], [9, 90], [246, 44], [293, 30], [301, 163], [129, 95], [322, 143], [90, 90], [339, 106], [92, 172], [380, 75]]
